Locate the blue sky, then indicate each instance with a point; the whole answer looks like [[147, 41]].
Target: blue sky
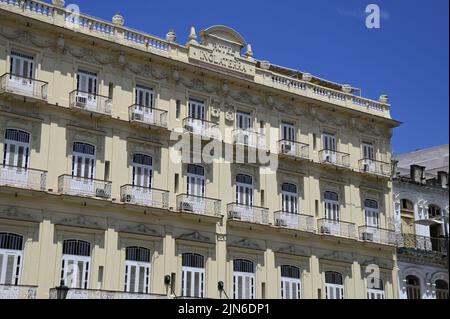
[[407, 58]]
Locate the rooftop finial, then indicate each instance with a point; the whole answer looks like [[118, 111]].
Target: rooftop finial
[[384, 99], [118, 20], [171, 36], [249, 52], [58, 3], [192, 36]]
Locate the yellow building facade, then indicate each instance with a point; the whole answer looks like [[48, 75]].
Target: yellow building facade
[[93, 193]]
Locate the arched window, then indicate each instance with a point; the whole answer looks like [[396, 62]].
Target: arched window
[[142, 170], [11, 247], [243, 279], [375, 288], [193, 275], [372, 213], [331, 206], [76, 261], [289, 197], [137, 270], [434, 211], [334, 285], [290, 282], [413, 287], [441, 289], [16, 150]]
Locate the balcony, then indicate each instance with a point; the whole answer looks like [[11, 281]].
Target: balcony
[[85, 187], [17, 292], [23, 177], [336, 228], [147, 116], [294, 221], [249, 138], [198, 205], [23, 86], [104, 294], [144, 196], [424, 244], [201, 127], [371, 166], [96, 105], [249, 214], [334, 158], [377, 235], [295, 150]]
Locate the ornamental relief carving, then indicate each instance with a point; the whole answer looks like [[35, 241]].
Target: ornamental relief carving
[[139, 229], [215, 108], [25, 37], [13, 213], [82, 221], [195, 236]]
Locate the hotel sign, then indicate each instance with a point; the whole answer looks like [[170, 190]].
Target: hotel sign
[[223, 57]]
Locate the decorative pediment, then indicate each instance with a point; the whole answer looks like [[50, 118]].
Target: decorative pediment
[[335, 255], [140, 229], [293, 250], [195, 236], [246, 243], [221, 48], [222, 33], [81, 221], [13, 213]]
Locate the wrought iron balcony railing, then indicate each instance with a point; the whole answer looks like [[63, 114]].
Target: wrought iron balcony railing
[[377, 235], [336, 228], [422, 243], [198, 205], [148, 115], [294, 221], [375, 167], [246, 213], [21, 85], [86, 187], [201, 127], [104, 294], [249, 138], [334, 158], [90, 102], [23, 177], [293, 149], [144, 196], [17, 292]]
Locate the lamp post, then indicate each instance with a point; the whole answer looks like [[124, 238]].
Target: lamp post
[[62, 290]]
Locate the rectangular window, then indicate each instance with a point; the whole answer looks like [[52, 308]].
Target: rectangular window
[[176, 181], [110, 90], [367, 150], [243, 121], [196, 109], [288, 132], [107, 169], [178, 109], [10, 266]]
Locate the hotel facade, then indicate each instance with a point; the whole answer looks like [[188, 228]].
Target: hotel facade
[[94, 197]]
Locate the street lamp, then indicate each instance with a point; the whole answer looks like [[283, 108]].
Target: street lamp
[[62, 290]]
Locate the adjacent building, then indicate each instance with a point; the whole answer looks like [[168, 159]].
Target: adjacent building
[[421, 210], [94, 196]]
